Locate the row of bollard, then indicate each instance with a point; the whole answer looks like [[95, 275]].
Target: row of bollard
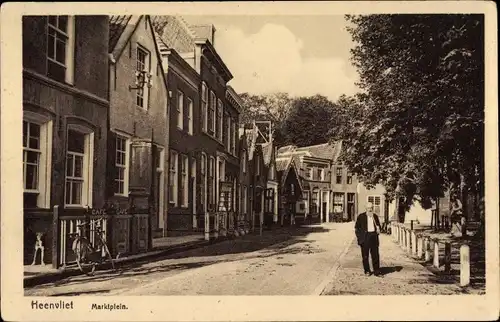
[[423, 247]]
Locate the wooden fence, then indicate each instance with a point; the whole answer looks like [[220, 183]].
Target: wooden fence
[[126, 231], [423, 247]]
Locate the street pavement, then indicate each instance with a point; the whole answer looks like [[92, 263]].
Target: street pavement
[[401, 275], [288, 261]]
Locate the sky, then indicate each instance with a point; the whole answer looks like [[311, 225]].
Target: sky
[[301, 55]]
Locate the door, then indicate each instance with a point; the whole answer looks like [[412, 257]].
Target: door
[[324, 211]]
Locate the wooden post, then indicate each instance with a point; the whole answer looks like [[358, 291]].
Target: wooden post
[[464, 265], [447, 257], [55, 237], [436, 254], [207, 225], [427, 245], [411, 224], [413, 246], [420, 247], [405, 238], [408, 241]]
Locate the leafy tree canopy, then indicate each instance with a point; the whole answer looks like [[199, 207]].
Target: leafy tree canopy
[[417, 126]]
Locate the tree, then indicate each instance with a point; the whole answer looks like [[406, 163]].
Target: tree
[[272, 107], [417, 127], [309, 121]]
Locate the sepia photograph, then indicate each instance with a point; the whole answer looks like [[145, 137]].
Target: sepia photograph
[[206, 153]]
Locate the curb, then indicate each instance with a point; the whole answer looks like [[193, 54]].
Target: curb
[[74, 271], [333, 271]]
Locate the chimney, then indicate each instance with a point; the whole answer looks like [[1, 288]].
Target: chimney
[[205, 32]]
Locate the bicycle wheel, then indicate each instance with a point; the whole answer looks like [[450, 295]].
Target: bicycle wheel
[[82, 250], [108, 254]]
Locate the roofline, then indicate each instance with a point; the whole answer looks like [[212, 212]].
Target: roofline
[[119, 54], [317, 159], [232, 95], [177, 58], [210, 47], [158, 54], [312, 146]]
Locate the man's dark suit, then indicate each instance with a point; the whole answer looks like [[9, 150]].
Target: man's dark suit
[[368, 241]]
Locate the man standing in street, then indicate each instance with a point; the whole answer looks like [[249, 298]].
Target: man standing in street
[[367, 229]]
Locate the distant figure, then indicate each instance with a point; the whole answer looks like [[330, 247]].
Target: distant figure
[[457, 217], [367, 229]]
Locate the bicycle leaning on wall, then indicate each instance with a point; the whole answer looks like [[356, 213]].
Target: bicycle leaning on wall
[[88, 254]]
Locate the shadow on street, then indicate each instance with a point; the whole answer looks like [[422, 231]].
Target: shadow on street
[[271, 243], [388, 270]]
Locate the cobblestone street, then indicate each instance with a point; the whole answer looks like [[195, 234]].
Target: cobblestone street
[[282, 262]]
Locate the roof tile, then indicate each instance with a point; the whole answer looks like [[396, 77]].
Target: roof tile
[[117, 25]]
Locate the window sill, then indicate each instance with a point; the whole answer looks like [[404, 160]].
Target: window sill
[[75, 206], [142, 108], [121, 195]]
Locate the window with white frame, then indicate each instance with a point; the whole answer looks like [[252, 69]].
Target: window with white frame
[[309, 173], [60, 48], [375, 200], [220, 113], [338, 175], [180, 110], [338, 202], [122, 164], [190, 116], [31, 163], [204, 106], [37, 158], [173, 178], [211, 113], [31, 156], [183, 191], [349, 177], [321, 174], [78, 186], [142, 65], [222, 170]]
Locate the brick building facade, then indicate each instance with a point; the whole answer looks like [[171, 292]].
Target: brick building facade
[[65, 109], [138, 122], [204, 123]]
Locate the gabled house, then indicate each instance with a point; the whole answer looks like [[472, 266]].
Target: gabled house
[[345, 191], [244, 183], [315, 170], [138, 121], [258, 176], [289, 191], [272, 184]]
